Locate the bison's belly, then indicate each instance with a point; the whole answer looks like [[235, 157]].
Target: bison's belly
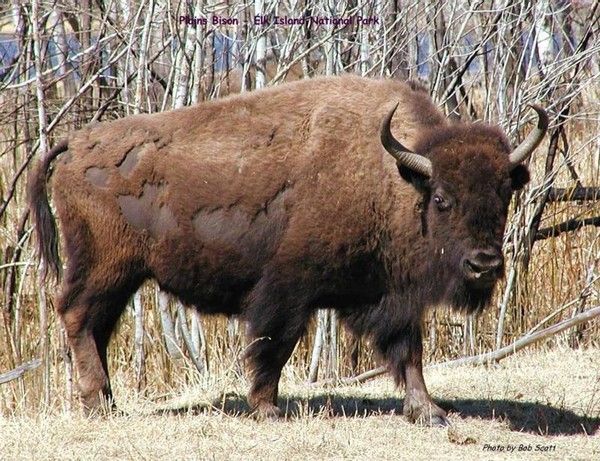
[[213, 278], [218, 256]]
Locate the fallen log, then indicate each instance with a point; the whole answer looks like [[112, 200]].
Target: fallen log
[[488, 357], [19, 371]]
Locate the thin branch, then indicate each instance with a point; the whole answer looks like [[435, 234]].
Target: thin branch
[[576, 194], [567, 226], [13, 185], [187, 340]]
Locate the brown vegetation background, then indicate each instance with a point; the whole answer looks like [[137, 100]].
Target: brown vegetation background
[[65, 64]]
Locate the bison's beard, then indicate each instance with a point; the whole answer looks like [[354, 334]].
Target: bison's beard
[[439, 281], [463, 297], [458, 292]]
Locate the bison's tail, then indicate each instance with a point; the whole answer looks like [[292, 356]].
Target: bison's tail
[[45, 224]]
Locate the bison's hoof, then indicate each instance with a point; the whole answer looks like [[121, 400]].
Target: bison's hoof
[[267, 411], [99, 405], [101, 411], [434, 421], [427, 414]]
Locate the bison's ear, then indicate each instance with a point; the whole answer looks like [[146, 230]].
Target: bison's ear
[[418, 180], [519, 176]]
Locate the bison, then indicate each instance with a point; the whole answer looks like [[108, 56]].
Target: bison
[[271, 204]]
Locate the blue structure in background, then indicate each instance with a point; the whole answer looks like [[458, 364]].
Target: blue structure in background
[[223, 53]]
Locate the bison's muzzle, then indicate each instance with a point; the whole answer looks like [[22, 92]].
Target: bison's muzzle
[[482, 268]]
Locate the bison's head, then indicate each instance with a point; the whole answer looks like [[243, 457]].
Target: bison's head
[[466, 175]]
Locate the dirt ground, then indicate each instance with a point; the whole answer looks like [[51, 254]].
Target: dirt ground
[[544, 405]]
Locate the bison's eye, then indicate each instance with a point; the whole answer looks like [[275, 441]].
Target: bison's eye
[[441, 203]]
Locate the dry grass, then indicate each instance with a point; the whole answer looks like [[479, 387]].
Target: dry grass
[[545, 399]]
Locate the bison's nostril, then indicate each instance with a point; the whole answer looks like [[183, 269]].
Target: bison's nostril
[[473, 267], [482, 263]]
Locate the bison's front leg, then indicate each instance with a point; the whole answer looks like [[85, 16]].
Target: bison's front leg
[[276, 321], [267, 356], [418, 406], [404, 352]]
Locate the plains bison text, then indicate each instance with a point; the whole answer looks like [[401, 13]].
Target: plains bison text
[[345, 192]]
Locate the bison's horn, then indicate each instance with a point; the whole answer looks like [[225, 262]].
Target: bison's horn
[[525, 149], [402, 155]]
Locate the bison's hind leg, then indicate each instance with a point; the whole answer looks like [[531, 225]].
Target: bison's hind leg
[[89, 317]]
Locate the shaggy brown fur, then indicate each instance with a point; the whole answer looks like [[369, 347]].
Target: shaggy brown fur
[[269, 205]]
